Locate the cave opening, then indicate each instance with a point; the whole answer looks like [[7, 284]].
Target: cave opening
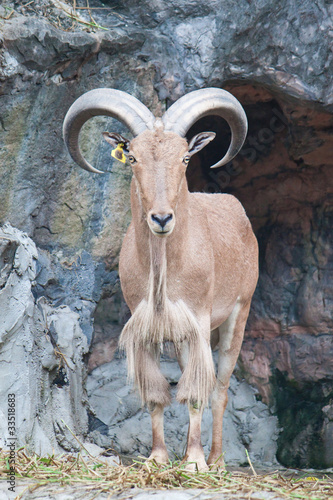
[[268, 129]]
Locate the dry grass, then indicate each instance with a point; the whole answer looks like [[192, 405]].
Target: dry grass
[[65, 15], [96, 477]]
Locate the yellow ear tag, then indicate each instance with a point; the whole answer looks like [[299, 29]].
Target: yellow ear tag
[[118, 153]]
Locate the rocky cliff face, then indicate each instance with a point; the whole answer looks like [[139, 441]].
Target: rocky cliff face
[[41, 364], [276, 58]]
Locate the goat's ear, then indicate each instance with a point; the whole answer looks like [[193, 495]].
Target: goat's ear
[[199, 141], [115, 139]]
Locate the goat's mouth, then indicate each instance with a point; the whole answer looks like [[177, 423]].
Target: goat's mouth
[[163, 233]]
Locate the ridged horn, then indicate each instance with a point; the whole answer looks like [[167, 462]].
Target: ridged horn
[[103, 102], [211, 101]]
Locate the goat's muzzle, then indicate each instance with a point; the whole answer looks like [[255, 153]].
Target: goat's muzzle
[[161, 224]]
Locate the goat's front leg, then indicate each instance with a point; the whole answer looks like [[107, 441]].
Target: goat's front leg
[[201, 374], [159, 452], [194, 455], [154, 390]]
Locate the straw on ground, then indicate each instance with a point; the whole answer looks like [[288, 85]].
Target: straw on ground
[[98, 476]]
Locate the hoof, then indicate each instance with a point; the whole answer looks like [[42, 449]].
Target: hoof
[[159, 456], [216, 464], [195, 464]]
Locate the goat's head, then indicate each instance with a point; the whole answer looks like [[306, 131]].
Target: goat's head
[[158, 153], [159, 160]]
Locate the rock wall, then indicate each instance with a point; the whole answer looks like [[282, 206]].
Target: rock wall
[[41, 358], [276, 58], [248, 423]]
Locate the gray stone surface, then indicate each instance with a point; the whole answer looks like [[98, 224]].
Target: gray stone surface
[[248, 423], [285, 46], [41, 351], [78, 492]]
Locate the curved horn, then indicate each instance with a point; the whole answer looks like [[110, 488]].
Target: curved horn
[[107, 102], [211, 101]]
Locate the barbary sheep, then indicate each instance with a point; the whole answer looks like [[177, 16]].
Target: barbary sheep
[[189, 261]]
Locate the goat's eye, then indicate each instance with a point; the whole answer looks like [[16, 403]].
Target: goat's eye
[[131, 159], [186, 159]]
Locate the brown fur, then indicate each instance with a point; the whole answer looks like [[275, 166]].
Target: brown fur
[[189, 261], [183, 285]]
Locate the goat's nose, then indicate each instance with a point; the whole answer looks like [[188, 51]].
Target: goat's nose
[[162, 220]]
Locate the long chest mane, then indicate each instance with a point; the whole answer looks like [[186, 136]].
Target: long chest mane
[[157, 318]]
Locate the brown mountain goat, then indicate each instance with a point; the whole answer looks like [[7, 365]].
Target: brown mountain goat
[[189, 261]]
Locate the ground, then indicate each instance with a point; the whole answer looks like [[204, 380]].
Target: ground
[[83, 475]]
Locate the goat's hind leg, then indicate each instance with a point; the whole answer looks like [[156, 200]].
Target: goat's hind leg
[[231, 334], [154, 390]]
